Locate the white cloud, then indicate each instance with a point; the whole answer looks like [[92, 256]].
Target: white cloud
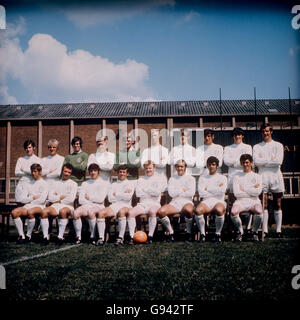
[[86, 16], [50, 73], [189, 16], [5, 98]]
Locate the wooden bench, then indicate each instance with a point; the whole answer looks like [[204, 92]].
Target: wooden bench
[[5, 212]]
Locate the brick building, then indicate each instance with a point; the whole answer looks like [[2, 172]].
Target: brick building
[[64, 121]]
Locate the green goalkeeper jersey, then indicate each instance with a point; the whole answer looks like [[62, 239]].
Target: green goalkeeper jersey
[[79, 162]]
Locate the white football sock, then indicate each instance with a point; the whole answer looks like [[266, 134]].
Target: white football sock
[[101, 227], [122, 227], [167, 224], [30, 226], [152, 226], [77, 223], [278, 219], [200, 221], [189, 224], [265, 221], [219, 224], [237, 223], [19, 225], [45, 227], [62, 223], [256, 222], [249, 222], [92, 225], [131, 226]]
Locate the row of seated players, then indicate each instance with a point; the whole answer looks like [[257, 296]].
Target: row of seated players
[[247, 186], [267, 155]]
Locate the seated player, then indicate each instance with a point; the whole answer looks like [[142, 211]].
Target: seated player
[[34, 195], [247, 186], [181, 188], [148, 189], [232, 154], [91, 199], [62, 196], [211, 189], [120, 196]]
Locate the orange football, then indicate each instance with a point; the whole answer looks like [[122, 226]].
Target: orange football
[[140, 237]]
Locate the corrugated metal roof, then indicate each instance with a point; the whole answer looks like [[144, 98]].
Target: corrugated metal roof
[[147, 109]]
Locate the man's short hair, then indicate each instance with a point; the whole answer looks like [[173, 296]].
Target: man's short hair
[[76, 139], [148, 163], [102, 137], [122, 167], [211, 160], [184, 132], [245, 157], [93, 166], [238, 131], [36, 166], [29, 142], [265, 125], [53, 141], [154, 131], [68, 166], [180, 161], [208, 131]]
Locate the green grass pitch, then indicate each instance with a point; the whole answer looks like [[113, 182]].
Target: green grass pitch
[[171, 271]]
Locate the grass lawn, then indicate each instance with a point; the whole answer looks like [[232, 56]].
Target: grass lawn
[[171, 271]]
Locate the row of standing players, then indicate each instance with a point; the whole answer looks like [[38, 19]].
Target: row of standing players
[[63, 185]]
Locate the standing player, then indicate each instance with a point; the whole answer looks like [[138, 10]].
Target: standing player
[[181, 188], [185, 152], [268, 157], [78, 159], [103, 158], [120, 196], [210, 150], [91, 199], [148, 190], [23, 170], [130, 157], [156, 153], [52, 163], [211, 189], [247, 187], [62, 196], [34, 194]]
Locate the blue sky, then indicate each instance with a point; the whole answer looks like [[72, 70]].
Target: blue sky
[[147, 50]]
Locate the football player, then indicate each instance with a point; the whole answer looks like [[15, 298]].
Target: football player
[[120, 196], [247, 186], [34, 194], [268, 157], [62, 195], [211, 189], [181, 188], [148, 190], [91, 200]]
